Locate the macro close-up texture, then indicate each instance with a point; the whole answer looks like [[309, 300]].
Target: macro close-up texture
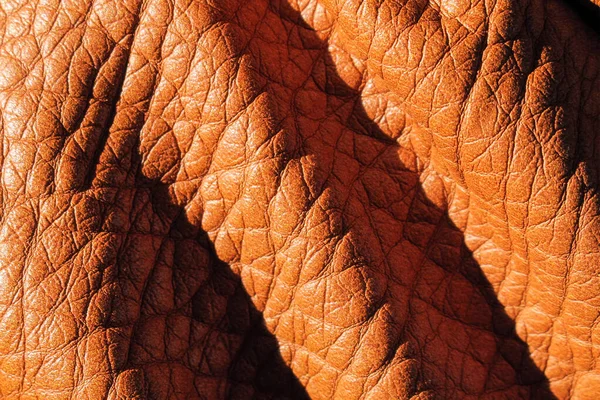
[[303, 199]]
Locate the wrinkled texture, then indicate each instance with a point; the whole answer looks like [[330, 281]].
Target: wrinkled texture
[[316, 199]]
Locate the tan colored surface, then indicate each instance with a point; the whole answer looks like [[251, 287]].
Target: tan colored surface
[[333, 199]]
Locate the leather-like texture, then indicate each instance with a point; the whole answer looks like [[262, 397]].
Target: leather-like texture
[[309, 199]]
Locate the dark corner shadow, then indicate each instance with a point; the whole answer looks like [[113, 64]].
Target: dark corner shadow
[[222, 306], [587, 11]]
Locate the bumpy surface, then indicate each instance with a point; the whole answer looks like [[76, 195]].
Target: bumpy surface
[[316, 199]]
